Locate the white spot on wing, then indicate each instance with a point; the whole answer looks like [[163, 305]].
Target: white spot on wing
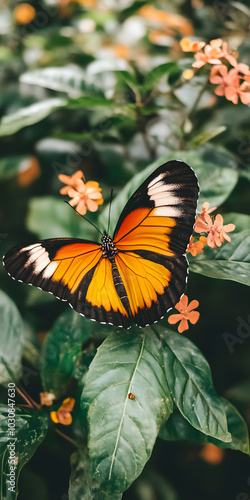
[[161, 188], [30, 247], [49, 271], [155, 180], [40, 263], [166, 202], [35, 254], [168, 211]]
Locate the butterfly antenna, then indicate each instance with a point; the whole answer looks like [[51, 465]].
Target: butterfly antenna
[[92, 224], [111, 198]]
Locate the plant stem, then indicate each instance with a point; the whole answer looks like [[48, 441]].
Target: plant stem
[[19, 388], [198, 98], [192, 110], [67, 438], [196, 102], [142, 127]]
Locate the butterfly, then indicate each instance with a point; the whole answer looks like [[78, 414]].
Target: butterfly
[[136, 276]]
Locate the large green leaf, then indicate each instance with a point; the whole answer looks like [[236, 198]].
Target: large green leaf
[[81, 486], [190, 381], [64, 223], [11, 338], [62, 351], [30, 431], [122, 431], [231, 261], [29, 115], [68, 79], [177, 428], [216, 182]]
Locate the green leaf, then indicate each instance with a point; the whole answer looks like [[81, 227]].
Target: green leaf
[[12, 165], [216, 183], [231, 261], [129, 79], [190, 381], [62, 351], [30, 431], [11, 338], [154, 76], [207, 135], [81, 486], [122, 431], [64, 223], [177, 428], [29, 115], [88, 102], [71, 80]]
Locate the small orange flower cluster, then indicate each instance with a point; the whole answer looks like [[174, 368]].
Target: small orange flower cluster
[[217, 232], [84, 196], [63, 414], [216, 235], [47, 398], [234, 83]]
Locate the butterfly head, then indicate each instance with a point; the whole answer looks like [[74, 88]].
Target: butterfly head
[[108, 246]]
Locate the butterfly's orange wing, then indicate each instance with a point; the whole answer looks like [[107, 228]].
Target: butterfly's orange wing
[[152, 236], [74, 271]]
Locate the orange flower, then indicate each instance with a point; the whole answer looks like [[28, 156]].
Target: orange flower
[[229, 84], [244, 92], [167, 19], [29, 171], [205, 209], [212, 454], [217, 233], [187, 74], [195, 247], [84, 196], [190, 46], [24, 13], [223, 230], [228, 56], [121, 50], [186, 314], [46, 398], [63, 415], [212, 54]]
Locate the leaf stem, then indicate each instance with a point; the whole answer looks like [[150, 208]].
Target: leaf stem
[[67, 438], [195, 104], [19, 388]]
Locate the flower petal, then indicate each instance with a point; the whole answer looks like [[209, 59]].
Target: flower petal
[[92, 205], [200, 226], [193, 304], [81, 207], [229, 227], [182, 304], [53, 415], [193, 317], [183, 326], [65, 418], [174, 318], [65, 189]]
